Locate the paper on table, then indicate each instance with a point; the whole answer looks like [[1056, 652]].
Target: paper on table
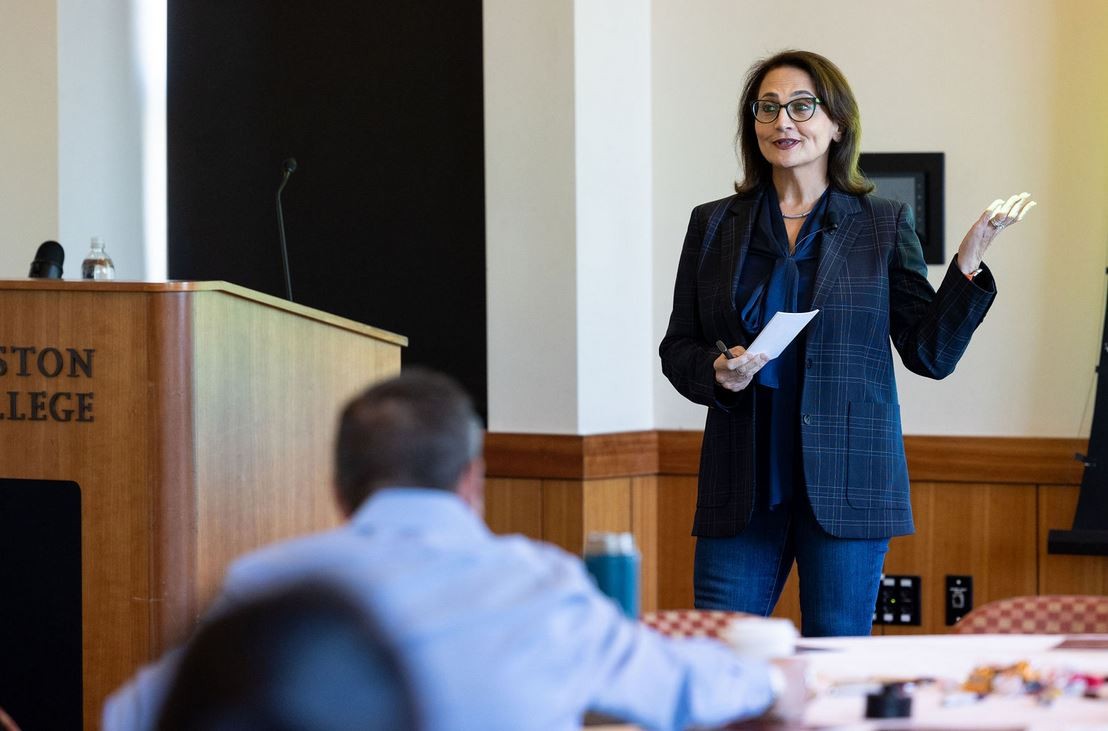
[[779, 332]]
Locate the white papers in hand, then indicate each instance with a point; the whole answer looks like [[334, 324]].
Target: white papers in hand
[[779, 332]]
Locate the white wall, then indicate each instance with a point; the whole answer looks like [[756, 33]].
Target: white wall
[[73, 117], [29, 128], [100, 134], [993, 84], [530, 216], [1012, 91]]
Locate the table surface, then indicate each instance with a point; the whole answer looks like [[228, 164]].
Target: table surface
[[838, 661], [841, 667]]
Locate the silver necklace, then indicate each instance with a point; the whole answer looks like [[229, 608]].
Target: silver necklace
[[799, 215]]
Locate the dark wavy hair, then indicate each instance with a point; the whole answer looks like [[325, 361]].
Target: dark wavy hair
[[837, 101]]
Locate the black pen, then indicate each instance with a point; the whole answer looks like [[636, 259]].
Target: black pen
[[723, 349]]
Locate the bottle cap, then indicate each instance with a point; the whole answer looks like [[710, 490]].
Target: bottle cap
[[601, 543]]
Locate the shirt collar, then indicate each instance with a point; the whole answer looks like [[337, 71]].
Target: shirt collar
[[427, 509]]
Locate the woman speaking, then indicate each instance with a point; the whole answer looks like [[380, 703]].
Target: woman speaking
[[802, 456]]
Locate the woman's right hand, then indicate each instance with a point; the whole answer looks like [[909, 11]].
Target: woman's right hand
[[735, 374]]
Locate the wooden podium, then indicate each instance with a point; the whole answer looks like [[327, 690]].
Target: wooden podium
[[197, 419]]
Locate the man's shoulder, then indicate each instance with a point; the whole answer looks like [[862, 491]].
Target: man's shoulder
[[301, 555], [336, 550], [539, 553]]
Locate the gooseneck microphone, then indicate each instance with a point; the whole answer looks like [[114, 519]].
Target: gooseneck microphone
[[48, 261], [288, 167]]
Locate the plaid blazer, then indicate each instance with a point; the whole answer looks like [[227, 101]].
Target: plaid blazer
[[870, 287]]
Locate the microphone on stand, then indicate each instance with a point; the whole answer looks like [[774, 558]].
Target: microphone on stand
[[48, 261], [288, 167]]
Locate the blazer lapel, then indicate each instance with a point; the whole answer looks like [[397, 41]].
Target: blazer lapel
[[735, 232], [837, 243]]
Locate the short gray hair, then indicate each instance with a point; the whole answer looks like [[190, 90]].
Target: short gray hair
[[418, 429]]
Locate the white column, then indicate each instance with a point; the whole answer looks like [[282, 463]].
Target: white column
[[567, 152], [616, 355]]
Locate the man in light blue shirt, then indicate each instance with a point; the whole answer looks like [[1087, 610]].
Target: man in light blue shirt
[[496, 632]]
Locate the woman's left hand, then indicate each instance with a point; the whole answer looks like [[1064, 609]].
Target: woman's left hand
[[995, 219]]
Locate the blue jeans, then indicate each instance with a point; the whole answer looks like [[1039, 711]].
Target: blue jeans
[[838, 576]]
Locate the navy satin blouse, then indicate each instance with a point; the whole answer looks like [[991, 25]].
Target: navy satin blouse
[[773, 280]]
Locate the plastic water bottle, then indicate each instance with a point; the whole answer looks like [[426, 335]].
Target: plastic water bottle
[[97, 264], [613, 561]]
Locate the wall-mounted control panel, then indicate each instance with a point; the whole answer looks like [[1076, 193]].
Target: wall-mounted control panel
[[959, 598], [898, 601]]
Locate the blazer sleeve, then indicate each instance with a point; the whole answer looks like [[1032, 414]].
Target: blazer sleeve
[[687, 350], [931, 330]]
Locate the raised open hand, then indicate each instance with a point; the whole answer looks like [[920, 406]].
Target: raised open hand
[[999, 215]]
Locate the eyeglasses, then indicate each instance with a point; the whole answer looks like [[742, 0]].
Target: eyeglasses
[[799, 110]]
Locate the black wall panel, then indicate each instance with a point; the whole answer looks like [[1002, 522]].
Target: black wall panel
[[381, 105], [40, 603]]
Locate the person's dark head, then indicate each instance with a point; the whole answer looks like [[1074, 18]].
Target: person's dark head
[[416, 430], [303, 658], [836, 109]]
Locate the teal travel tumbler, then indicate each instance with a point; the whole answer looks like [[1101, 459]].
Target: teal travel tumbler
[[613, 561]]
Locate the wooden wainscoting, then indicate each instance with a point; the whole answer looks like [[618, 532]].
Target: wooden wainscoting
[[1066, 574], [564, 511], [987, 531], [983, 507]]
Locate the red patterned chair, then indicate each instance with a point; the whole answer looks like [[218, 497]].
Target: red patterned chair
[[690, 622], [1039, 615]]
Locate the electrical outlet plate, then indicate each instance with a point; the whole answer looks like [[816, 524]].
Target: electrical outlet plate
[[898, 601], [959, 598]]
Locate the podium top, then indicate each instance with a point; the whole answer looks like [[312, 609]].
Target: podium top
[[175, 287]]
